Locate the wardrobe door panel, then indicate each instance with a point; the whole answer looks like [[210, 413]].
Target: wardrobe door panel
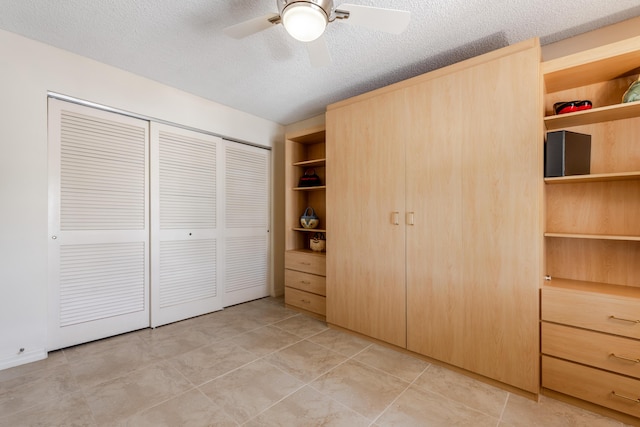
[[365, 218], [435, 243], [502, 222]]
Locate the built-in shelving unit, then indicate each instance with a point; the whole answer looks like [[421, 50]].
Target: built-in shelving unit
[[305, 269], [592, 240]]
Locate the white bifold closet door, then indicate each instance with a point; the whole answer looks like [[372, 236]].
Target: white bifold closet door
[[247, 210], [149, 223], [98, 224], [186, 176]]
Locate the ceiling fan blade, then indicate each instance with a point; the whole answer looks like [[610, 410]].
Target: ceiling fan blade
[[376, 18], [319, 52], [252, 26]]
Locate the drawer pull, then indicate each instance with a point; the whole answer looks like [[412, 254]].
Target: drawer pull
[[305, 263], [305, 282], [628, 359], [633, 399], [624, 320], [306, 301]]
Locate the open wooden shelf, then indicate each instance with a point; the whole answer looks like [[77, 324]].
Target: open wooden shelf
[[312, 135], [603, 288], [310, 230], [599, 64], [315, 188], [594, 236], [316, 163], [306, 251], [598, 177], [595, 115]]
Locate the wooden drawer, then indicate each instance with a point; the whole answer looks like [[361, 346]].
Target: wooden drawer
[[592, 311], [305, 300], [592, 385], [305, 282], [592, 348], [308, 262]]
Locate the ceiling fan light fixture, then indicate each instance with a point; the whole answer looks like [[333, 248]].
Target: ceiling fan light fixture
[[304, 21]]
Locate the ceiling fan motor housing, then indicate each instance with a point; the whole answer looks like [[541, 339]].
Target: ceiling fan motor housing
[[325, 5]]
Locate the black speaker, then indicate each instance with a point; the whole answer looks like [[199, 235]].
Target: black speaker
[[567, 153]]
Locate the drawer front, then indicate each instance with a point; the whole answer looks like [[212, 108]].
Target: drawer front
[[592, 385], [311, 302], [598, 312], [306, 262], [305, 282], [603, 351]]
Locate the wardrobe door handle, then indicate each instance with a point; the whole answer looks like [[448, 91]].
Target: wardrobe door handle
[[395, 218], [410, 218]]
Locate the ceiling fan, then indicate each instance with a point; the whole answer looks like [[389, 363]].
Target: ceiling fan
[[306, 20]]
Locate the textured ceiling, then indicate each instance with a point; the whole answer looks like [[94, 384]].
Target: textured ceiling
[[180, 43]]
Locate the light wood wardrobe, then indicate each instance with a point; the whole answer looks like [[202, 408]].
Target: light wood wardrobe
[[434, 201]]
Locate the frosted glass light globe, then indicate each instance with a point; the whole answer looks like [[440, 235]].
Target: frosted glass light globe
[[304, 21]]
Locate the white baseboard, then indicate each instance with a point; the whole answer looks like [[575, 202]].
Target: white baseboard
[[22, 358]]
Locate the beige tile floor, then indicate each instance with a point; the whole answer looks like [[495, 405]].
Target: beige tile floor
[[258, 364]]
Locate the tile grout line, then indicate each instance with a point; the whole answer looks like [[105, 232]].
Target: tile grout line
[[308, 383], [399, 395], [504, 408]]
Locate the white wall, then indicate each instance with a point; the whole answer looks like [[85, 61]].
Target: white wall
[[28, 70]]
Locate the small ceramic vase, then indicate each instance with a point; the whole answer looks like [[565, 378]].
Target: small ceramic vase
[[633, 93], [309, 219]]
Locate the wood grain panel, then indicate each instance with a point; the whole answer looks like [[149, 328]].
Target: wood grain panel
[[305, 282], [502, 224], [451, 69], [594, 208], [305, 261], [592, 348], [592, 311], [365, 185], [598, 64], [305, 300], [591, 384], [435, 244], [606, 261]]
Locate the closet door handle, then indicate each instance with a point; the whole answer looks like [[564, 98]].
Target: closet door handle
[[410, 218], [395, 218]]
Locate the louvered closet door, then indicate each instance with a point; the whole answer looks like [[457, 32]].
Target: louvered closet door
[[186, 170], [98, 224], [247, 219]]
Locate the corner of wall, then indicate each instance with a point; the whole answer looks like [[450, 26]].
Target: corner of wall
[[22, 358]]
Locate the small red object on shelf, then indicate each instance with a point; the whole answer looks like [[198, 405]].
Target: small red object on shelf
[[571, 106]]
